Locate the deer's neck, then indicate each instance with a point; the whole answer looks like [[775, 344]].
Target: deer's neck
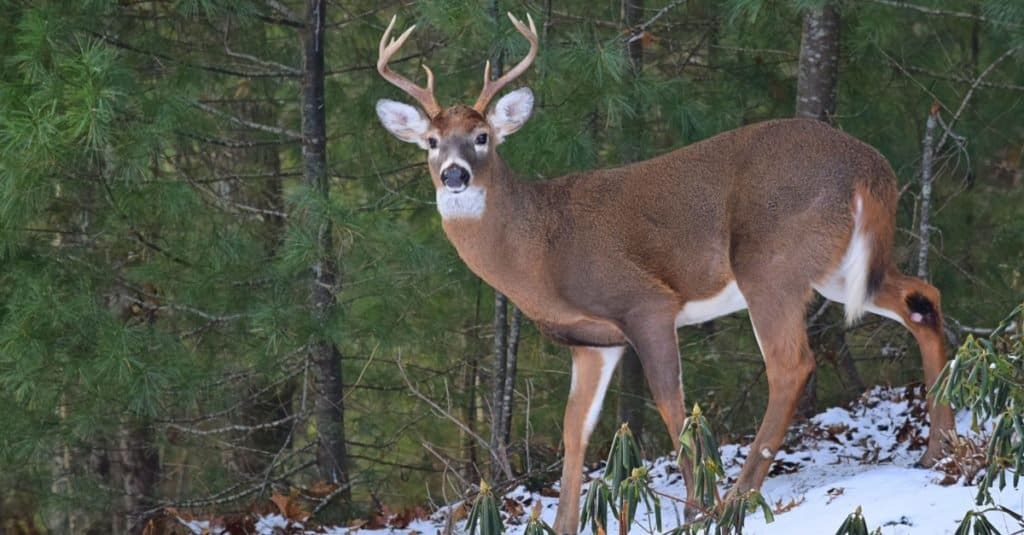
[[482, 222]]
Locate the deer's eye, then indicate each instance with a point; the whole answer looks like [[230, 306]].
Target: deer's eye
[[432, 142], [481, 139]]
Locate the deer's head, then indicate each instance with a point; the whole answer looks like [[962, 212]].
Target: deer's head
[[460, 140]]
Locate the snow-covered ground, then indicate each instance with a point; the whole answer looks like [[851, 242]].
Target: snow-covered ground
[[843, 458]]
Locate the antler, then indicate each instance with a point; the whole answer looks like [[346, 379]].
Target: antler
[[423, 95], [491, 88]]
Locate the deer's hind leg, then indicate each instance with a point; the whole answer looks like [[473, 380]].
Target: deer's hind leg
[[777, 315]]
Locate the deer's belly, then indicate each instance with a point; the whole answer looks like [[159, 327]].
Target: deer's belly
[[582, 332]]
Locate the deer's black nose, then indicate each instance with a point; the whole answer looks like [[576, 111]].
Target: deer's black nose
[[455, 177]]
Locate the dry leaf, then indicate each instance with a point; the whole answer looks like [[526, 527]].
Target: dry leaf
[[289, 507], [460, 512], [321, 488], [513, 508], [785, 508]]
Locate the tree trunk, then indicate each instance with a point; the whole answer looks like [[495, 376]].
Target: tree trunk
[[332, 458], [818, 73], [500, 466], [632, 385], [505, 346], [139, 471], [817, 79], [927, 163], [511, 362]]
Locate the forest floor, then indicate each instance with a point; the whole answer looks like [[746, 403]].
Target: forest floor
[[843, 458]]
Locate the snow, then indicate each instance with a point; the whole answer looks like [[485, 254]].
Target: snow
[[843, 458]]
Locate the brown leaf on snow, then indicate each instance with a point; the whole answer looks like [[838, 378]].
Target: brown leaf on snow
[[549, 492], [407, 516], [787, 507], [459, 512], [378, 518], [289, 507], [166, 522], [513, 508]]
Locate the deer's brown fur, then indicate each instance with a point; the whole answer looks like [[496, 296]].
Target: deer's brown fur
[[758, 217]]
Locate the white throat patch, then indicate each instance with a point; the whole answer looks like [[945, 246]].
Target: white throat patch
[[470, 203]]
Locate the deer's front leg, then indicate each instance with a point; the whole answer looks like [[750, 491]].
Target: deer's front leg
[[592, 369]]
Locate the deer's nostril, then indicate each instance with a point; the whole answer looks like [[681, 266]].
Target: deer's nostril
[[455, 177]]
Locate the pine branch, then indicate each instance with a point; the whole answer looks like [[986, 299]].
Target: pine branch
[[209, 68]]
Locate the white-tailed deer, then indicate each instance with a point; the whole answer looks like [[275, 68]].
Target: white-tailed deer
[[756, 218]]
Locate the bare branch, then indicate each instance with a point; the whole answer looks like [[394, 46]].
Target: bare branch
[[291, 17], [943, 12], [255, 60], [974, 86], [964, 80], [661, 12], [235, 427], [405, 377], [284, 132]]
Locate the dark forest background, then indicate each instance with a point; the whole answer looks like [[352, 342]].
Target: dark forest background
[[213, 288]]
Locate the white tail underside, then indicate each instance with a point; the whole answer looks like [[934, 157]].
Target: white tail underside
[[848, 284]]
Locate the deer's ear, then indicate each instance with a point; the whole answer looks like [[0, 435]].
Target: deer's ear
[[511, 112], [403, 121]]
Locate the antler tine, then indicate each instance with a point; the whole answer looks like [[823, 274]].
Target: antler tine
[[492, 88], [386, 49]]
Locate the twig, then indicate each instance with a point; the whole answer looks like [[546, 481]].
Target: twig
[[235, 427], [964, 80], [327, 499], [943, 12], [974, 86], [438, 408], [284, 132], [447, 464], [227, 495], [253, 59], [643, 27], [287, 13]]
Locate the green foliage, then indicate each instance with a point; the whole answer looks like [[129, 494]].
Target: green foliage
[[536, 526], [735, 510], [854, 524], [484, 518], [699, 447], [987, 377], [624, 486], [155, 257], [976, 522], [596, 506], [697, 444]]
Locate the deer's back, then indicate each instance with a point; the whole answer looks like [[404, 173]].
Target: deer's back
[[686, 218]]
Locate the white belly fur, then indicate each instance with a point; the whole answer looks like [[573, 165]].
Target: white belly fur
[[727, 301]]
